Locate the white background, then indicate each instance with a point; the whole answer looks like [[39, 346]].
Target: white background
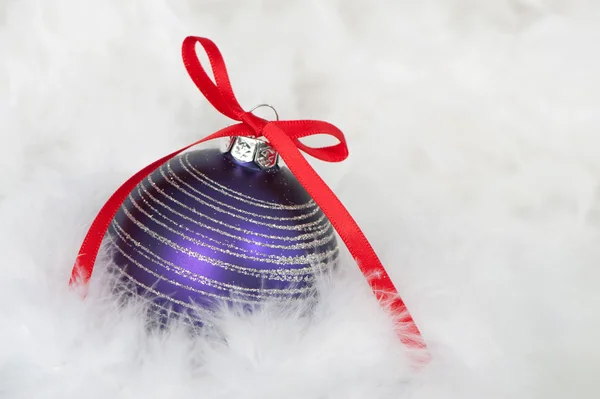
[[474, 171]]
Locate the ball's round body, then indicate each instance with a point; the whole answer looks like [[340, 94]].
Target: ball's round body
[[203, 229]]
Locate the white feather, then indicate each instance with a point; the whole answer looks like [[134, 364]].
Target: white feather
[[474, 171]]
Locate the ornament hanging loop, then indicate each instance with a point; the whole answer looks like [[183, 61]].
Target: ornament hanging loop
[[268, 106]]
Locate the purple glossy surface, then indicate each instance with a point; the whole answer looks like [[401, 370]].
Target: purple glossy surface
[[204, 228]]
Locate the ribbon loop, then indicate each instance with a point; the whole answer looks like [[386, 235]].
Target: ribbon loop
[[220, 93], [299, 129], [284, 137]]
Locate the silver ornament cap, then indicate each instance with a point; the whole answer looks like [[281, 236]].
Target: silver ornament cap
[[251, 150]]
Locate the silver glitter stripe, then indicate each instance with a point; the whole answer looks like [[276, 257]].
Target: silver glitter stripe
[[178, 225], [172, 173], [300, 227], [272, 274], [308, 245], [240, 196], [125, 237], [277, 260], [171, 267], [187, 287], [305, 236], [160, 294]]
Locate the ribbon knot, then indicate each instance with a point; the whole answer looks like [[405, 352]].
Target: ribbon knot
[[284, 137], [254, 122]]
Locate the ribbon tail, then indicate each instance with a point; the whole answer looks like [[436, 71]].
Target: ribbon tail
[[351, 234]]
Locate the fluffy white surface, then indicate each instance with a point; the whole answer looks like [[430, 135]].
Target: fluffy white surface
[[474, 170]]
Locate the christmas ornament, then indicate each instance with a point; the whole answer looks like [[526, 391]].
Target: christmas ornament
[[209, 228], [181, 219]]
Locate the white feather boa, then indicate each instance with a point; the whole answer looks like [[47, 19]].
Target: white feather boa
[[474, 171]]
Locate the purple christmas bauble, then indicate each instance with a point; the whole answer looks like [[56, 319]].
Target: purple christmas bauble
[[213, 227]]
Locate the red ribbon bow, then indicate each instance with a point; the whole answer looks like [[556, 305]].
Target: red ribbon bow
[[284, 137]]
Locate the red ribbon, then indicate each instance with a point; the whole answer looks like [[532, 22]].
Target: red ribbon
[[284, 137]]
